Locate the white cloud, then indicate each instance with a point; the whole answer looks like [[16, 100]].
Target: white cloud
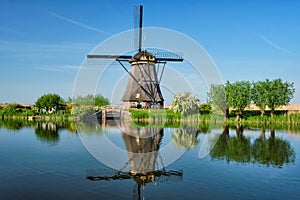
[[80, 24], [276, 45]]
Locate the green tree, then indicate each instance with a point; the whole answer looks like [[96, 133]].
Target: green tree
[[48, 101], [217, 97], [260, 94], [279, 94], [272, 93], [87, 104], [205, 108], [100, 100], [238, 96], [91, 100], [185, 103]]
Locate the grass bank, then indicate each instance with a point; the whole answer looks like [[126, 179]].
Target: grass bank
[[40, 117], [250, 118]]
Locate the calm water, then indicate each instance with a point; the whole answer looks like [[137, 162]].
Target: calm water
[[50, 161]]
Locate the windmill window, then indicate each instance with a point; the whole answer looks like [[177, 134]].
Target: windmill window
[[137, 95]]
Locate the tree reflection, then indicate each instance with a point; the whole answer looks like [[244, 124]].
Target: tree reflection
[[267, 151], [204, 127], [232, 148], [186, 138], [15, 124], [47, 133], [89, 128], [272, 151]]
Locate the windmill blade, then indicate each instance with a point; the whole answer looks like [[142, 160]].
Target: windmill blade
[[169, 59], [110, 174], [138, 24], [109, 56], [136, 21], [164, 56]]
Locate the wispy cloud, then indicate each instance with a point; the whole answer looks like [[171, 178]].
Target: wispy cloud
[[61, 69], [12, 31], [80, 24], [43, 50], [276, 45]]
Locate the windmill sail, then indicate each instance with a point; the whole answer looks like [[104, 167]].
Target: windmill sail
[[138, 24]]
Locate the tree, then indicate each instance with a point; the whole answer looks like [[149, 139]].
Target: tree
[[48, 101], [185, 103], [272, 93], [279, 94], [205, 108], [84, 105], [217, 97], [238, 96], [260, 94], [95, 100], [100, 100]]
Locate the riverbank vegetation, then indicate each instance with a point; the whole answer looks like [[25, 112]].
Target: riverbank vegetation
[[53, 107], [228, 103], [205, 116]]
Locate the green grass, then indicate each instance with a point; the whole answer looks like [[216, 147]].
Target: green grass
[[249, 118], [290, 119]]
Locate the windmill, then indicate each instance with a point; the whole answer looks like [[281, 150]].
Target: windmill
[[143, 86]]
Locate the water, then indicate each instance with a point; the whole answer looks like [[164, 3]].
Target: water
[[49, 161]]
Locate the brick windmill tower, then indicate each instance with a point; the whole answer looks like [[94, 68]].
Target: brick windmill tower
[[143, 86]]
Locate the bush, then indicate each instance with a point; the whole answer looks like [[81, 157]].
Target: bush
[[16, 110], [205, 108], [185, 103]]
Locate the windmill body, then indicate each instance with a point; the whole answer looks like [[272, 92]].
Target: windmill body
[[143, 88]]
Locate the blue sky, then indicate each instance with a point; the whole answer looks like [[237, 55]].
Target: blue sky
[[43, 43]]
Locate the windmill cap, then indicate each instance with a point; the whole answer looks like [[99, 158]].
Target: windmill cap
[[145, 56]]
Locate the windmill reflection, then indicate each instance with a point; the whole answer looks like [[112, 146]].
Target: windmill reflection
[[144, 160], [268, 151], [142, 145]]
